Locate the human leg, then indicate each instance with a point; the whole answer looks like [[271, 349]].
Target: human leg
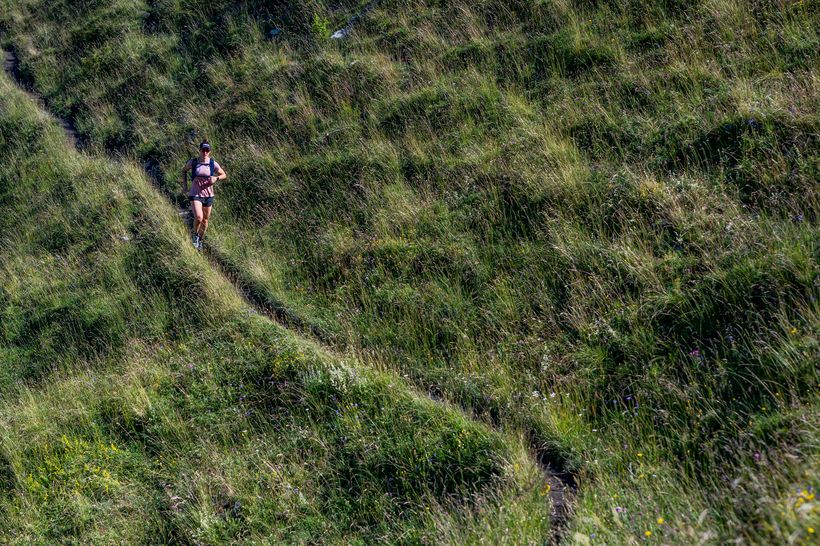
[[196, 209], [203, 225]]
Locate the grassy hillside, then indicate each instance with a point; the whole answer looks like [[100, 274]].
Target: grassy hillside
[[591, 223], [143, 402]]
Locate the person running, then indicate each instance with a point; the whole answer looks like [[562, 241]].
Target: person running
[[204, 174]]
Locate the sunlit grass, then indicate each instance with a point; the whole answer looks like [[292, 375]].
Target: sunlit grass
[[592, 225], [145, 404]]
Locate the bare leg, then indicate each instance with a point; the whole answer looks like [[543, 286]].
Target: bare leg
[[203, 224], [196, 208]]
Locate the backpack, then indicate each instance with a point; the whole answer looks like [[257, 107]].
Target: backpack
[[197, 164]]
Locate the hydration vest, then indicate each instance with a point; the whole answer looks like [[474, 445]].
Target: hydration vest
[[197, 164]]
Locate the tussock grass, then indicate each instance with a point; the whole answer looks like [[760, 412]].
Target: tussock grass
[[592, 223], [150, 404]]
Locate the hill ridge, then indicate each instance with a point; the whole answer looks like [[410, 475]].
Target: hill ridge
[[562, 483]]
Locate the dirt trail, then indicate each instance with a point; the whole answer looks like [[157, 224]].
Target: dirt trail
[[562, 483], [11, 65]]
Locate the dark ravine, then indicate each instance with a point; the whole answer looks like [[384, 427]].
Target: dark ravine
[[562, 483]]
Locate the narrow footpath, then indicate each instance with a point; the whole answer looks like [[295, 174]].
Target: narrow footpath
[[562, 484]]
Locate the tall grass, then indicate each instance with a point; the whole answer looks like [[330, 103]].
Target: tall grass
[[591, 223], [143, 401]]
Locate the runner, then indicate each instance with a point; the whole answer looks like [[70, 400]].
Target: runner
[[204, 173]]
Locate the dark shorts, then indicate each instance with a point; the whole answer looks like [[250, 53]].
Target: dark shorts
[[206, 201]]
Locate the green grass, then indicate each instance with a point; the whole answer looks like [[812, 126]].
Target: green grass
[[143, 401], [592, 224]]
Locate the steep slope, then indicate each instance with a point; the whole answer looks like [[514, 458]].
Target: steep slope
[[143, 401], [592, 222]]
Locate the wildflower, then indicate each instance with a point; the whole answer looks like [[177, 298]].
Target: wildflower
[[793, 330], [810, 530], [660, 521], [640, 454], [648, 534], [547, 489]]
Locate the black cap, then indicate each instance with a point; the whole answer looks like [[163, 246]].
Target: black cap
[[204, 146]]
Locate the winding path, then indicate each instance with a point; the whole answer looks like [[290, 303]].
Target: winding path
[[562, 484]]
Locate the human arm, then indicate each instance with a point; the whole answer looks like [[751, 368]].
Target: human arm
[[184, 179], [220, 174]]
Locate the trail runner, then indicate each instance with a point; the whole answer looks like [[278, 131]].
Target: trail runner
[[205, 172]]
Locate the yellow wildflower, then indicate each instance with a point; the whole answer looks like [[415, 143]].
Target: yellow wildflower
[[547, 489], [648, 533], [660, 521]]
